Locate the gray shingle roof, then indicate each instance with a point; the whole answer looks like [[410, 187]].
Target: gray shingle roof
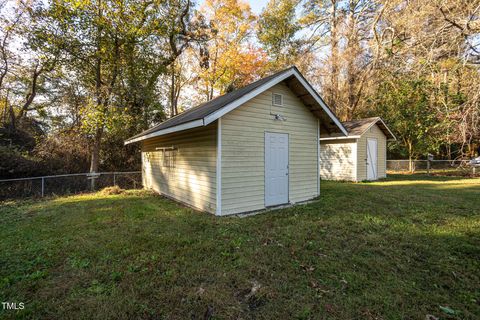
[[210, 111], [359, 126], [204, 109]]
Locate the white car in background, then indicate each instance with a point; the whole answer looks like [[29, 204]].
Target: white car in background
[[475, 162]]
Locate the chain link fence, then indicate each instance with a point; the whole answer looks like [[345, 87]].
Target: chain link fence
[[68, 184], [440, 167]]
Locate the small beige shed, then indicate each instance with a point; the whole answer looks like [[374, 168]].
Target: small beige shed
[[362, 155], [250, 149]]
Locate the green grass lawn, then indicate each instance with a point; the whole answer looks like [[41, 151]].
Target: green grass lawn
[[396, 249]]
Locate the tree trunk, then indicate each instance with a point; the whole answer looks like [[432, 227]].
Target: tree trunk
[[32, 92], [173, 100], [352, 52], [411, 167], [13, 119], [334, 57], [210, 93], [95, 160]]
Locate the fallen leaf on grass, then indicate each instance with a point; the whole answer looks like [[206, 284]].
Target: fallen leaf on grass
[[307, 268], [255, 287], [447, 310]]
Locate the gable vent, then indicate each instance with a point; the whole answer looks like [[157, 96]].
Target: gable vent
[[277, 99]]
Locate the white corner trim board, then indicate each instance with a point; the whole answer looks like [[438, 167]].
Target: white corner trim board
[[318, 156], [218, 210], [355, 160]]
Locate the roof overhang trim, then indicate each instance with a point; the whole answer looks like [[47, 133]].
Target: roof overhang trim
[[238, 102], [392, 138], [339, 138], [180, 127]]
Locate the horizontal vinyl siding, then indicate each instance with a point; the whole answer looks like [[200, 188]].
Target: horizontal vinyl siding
[[192, 179], [373, 132], [337, 160], [243, 150]]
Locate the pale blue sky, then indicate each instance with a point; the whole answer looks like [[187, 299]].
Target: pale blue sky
[[256, 5]]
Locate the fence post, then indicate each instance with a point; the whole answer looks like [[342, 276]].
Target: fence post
[[114, 182], [43, 186]]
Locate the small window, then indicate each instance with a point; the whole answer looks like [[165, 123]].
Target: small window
[[169, 157], [277, 99]]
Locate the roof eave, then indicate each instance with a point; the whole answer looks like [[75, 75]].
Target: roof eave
[[291, 72], [180, 127], [377, 120], [339, 138], [238, 102], [393, 138], [320, 101]]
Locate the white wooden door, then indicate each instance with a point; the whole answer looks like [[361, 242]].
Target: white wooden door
[[276, 168], [372, 159]]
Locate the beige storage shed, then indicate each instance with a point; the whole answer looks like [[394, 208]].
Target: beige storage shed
[[251, 149], [362, 155]]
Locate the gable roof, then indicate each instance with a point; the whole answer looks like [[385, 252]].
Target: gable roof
[[210, 111], [356, 128]]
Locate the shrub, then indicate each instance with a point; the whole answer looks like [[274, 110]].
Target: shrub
[[112, 190]]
